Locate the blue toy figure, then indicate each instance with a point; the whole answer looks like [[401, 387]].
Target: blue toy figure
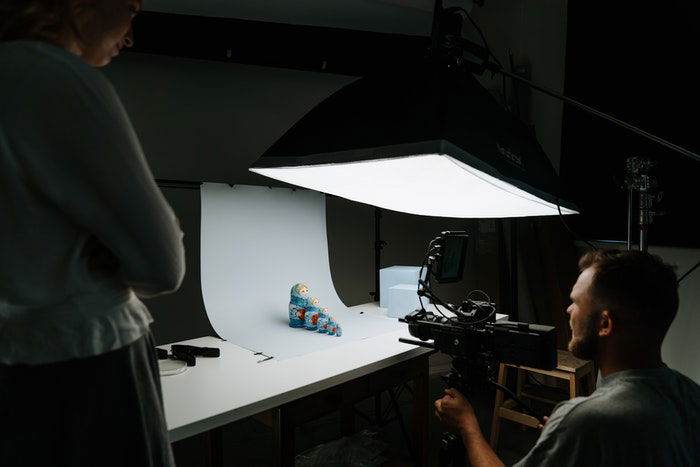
[[323, 320], [297, 305], [332, 326], [338, 331], [305, 312], [312, 314]]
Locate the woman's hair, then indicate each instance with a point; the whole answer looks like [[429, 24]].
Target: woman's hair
[[50, 21]]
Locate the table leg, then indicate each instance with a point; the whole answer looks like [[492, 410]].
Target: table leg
[[420, 414], [347, 419], [283, 431], [216, 446]]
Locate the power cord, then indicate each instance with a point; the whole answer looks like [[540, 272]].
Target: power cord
[[573, 234], [687, 273]]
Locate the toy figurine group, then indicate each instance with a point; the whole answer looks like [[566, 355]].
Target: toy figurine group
[[305, 312]]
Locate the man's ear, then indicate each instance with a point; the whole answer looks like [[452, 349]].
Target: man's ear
[[606, 323]]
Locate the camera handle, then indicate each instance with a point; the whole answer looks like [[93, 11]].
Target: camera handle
[[452, 452]]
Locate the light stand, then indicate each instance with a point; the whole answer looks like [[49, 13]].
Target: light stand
[[638, 179], [640, 182]]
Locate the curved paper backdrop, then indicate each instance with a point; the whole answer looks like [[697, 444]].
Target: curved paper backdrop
[[257, 242]]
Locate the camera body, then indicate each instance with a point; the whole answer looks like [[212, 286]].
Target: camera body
[[487, 342]]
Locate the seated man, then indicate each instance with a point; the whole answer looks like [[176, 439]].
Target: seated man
[[642, 413]]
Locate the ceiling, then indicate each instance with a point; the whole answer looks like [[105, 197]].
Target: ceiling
[[412, 17]]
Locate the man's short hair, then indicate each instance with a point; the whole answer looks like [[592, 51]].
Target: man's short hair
[[636, 283]]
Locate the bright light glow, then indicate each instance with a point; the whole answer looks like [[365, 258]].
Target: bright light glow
[[428, 185]]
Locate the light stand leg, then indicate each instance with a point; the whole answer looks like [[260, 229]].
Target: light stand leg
[[630, 215], [645, 213], [378, 245]]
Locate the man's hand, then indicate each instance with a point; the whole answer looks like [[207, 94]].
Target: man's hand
[[545, 419], [456, 413]]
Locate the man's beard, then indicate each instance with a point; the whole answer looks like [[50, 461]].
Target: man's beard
[[586, 346]]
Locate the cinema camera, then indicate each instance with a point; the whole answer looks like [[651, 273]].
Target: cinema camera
[[469, 332]]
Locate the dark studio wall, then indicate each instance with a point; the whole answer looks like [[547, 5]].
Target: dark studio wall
[[632, 60]]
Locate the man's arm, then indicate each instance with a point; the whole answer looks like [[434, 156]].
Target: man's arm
[[455, 411]]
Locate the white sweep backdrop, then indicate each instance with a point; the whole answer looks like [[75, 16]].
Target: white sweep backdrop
[[256, 243]]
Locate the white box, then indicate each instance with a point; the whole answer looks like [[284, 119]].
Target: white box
[[402, 299], [391, 276]]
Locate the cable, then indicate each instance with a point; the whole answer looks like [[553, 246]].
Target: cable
[[490, 52], [488, 299], [433, 297], [687, 273], [420, 274], [537, 381], [459, 312], [483, 39], [576, 237], [518, 401], [443, 314], [493, 310], [516, 99], [426, 287]]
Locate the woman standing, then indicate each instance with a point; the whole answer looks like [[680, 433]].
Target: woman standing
[[84, 232]]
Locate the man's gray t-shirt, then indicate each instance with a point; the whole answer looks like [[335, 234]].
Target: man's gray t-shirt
[[648, 417]]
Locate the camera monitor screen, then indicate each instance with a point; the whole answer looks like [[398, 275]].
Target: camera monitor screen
[[450, 265]]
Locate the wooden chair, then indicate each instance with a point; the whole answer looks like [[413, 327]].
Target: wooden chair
[[569, 368]]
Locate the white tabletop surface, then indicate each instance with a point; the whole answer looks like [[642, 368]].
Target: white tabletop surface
[[236, 385]]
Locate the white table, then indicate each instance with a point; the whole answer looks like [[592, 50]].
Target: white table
[[218, 391]]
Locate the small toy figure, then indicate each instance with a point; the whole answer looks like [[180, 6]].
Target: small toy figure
[[333, 326], [312, 313], [297, 305], [323, 320], [305, 312]]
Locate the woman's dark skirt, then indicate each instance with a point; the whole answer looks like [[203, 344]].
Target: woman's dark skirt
[[105, 410]]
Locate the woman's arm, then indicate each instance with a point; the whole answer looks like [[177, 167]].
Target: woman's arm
[[87, 160]]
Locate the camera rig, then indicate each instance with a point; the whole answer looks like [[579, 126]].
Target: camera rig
[[469, 332], [486, 343]]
